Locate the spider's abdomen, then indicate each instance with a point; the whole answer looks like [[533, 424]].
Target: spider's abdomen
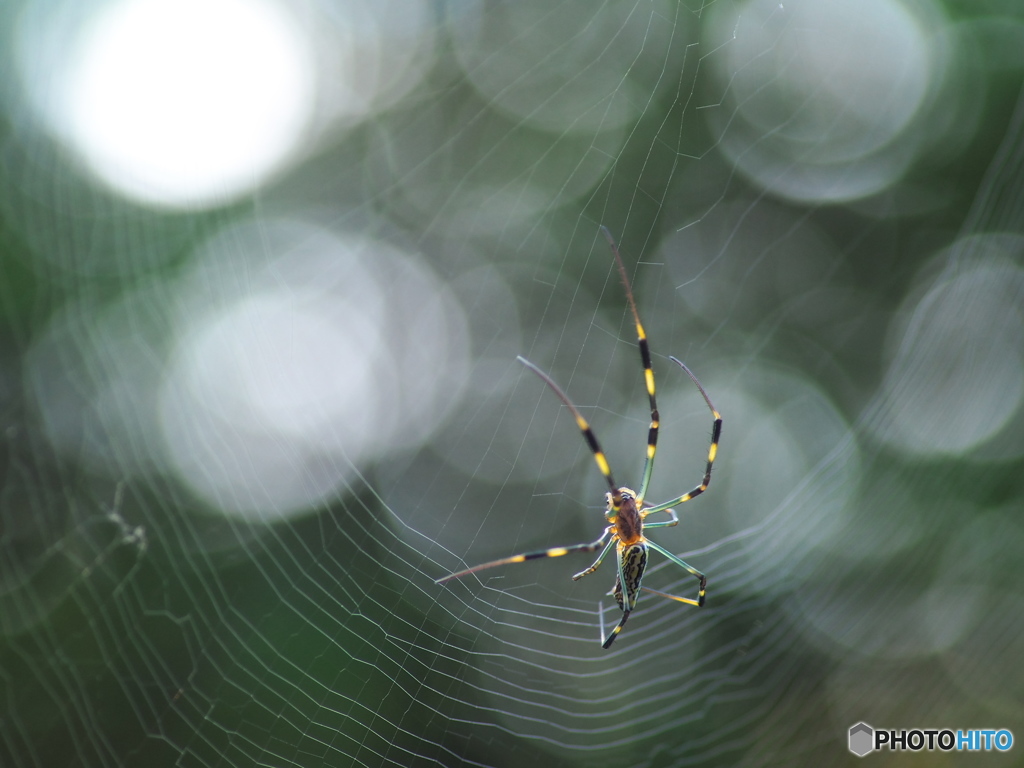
[[634, 561]]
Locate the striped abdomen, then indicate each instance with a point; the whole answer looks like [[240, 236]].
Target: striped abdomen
[[634, 561]]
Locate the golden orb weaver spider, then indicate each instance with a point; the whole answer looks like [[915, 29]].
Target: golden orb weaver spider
[[625, 510]]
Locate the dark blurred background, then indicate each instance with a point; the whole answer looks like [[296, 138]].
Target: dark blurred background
[[266, 270]]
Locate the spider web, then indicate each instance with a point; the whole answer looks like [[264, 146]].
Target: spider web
[[248, 425]]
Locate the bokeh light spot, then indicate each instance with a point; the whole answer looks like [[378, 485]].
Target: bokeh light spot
[[284, 383], [186, 102], [817, 92], [957, 375]]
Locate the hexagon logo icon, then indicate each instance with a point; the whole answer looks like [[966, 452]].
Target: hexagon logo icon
[[862, 737]]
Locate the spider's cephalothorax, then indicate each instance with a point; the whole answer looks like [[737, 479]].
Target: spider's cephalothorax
[[626, 512], [626, 518]]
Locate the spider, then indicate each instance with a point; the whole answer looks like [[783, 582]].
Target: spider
[[625, 511]]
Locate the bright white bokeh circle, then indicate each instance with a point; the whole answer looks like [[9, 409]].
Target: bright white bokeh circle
[[181, 103]]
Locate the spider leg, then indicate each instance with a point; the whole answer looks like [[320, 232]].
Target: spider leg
[[687, 600], [682, 564], [716, 434], [664, 524], [628, 604], [606, 642], [597, 562], [584, 427], [553, 552], [645, 358]]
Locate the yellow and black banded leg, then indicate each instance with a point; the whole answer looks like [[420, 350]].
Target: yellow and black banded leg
[[701, 578], [606, 642], [645, 357], [677, 598], [716, 435], [627, 602], [553, 552], [584, 427]]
